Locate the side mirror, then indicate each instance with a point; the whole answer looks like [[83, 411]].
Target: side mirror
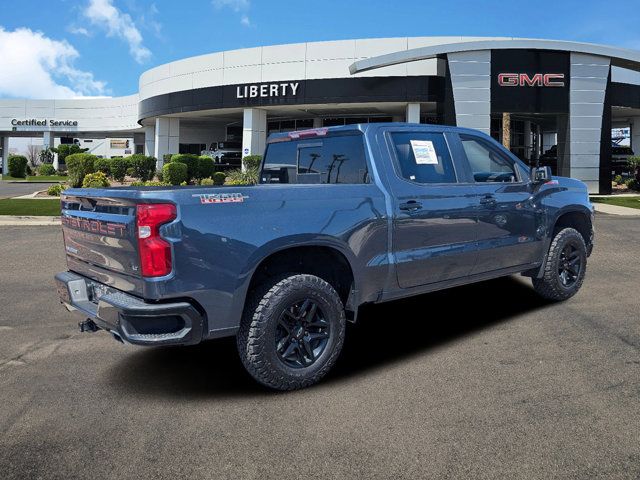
[[541, 174]]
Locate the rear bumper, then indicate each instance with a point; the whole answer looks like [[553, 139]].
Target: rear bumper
[[130, 318]]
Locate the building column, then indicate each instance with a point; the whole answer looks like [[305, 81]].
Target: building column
[[317, 122], [506, 130], [254, 131], [527, 140], [150, 141], [166, 138], [413, 113], [5, 155], [471, 86], [587, 89]]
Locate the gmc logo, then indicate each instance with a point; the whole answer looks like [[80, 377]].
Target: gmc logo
[[537, 80]]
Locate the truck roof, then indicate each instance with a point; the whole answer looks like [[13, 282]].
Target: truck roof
[[363, 127]]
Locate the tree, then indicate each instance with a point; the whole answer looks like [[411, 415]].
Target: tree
[[33, 155], [65, 150]]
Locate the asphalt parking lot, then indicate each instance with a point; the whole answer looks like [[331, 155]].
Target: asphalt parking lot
[[15, 189], [483, 381]]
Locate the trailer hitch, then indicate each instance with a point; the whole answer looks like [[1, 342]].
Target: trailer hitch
[[88, 325]]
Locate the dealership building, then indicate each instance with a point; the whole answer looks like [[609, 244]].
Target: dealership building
[[551, 100]]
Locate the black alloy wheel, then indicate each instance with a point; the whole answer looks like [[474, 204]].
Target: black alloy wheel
[[564, 268], [292, 331], [302, 334], [570, 265]]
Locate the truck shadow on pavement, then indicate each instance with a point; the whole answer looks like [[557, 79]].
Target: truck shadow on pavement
[[385, 333]]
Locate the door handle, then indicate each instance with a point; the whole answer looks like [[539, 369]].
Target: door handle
[[410, 206], [488, 199]]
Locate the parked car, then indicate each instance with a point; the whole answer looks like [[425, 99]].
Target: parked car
[[343, 216]]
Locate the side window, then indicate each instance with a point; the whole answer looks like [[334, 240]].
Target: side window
[[487, 163], [423, 157], [335, 159], [280, 163]]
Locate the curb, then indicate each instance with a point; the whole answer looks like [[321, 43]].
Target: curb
[[33, 196], [15, 220], [616, 210]]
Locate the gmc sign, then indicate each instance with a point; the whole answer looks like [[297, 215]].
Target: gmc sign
[[536, 80]]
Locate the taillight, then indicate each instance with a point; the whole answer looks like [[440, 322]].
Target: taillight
[[155, 252]]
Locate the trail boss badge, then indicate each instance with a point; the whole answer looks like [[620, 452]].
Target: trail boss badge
[[206, 198]]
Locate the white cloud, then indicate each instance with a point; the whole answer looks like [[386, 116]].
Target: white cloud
[[235, 5], [35, 66], [238, 6], [103, 14], [78, 30]]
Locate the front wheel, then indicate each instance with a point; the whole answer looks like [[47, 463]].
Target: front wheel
[[565, 267], [292, 332]]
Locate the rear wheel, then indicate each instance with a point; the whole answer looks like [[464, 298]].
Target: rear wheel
[[565, 266], [292, 332]]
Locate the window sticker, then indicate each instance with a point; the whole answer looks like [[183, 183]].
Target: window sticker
[[424, 152]]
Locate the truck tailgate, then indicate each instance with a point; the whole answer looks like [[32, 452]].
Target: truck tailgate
[[100, 240]]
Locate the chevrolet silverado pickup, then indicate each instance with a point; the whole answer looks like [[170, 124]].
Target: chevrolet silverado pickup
[[341, 217]]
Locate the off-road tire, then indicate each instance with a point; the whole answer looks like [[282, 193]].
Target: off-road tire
[[550, 285], [256, 338]]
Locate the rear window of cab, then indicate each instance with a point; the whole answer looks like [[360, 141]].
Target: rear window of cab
[[334, 159]]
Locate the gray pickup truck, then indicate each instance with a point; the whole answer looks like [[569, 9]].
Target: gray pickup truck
[[342, 217]]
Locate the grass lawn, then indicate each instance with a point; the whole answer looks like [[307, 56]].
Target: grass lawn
[[631, 202], [48, 207], [38, 178]]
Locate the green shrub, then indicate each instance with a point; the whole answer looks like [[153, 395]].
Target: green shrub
[[219, 178], [46, 169], [17, 166], [206, 182], [130, 171], [56, 190], [239, 177], [119, 167], [175, 173], [634, 166], [149, 183], [79, 165], [252, 162], [103, 165], [143, 167], [166, 158], [617, 180], [205, 166], [95, 180], [191, 161], [29, 171], [632, 184], [159, 175]]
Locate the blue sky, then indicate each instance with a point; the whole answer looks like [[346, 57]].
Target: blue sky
[[65, 48]]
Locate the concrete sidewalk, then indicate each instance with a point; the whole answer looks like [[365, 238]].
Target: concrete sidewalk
[[616, 210], [17, 220]]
